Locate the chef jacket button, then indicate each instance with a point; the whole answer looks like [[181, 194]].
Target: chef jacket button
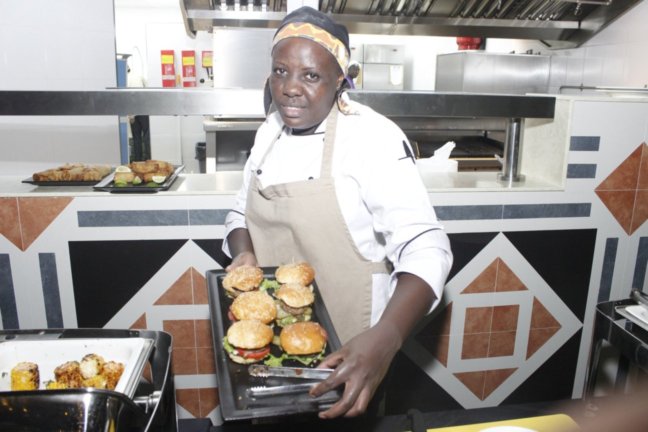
[[259, 172], [310, 178]]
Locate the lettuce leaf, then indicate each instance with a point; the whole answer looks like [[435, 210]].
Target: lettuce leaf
[[268, 284]]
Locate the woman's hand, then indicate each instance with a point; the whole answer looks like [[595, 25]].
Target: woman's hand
[[361, 364], [244, 258]]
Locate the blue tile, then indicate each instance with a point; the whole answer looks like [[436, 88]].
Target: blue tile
[[581, 171], [207, 217], [532, 211], [476, 212], [639, 276], [51, 294], [584, 143], [133, 218], [8, 308], [607, 273]]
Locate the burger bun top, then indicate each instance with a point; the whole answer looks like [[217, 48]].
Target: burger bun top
[[301, 273], [303, 338], [243, 278], [256, 305], [295, 295], [249, 334]]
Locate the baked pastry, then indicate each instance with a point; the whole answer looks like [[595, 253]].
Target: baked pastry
[[148, 169], [25, 376], [293, 303], [255, 305], [248, 341], [91, 365], [243, 278], [301, 273], [73, 172]]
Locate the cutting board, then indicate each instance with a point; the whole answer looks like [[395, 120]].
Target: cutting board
[[550, 423]]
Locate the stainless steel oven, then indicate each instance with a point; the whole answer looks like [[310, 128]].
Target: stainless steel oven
[[228, 142]]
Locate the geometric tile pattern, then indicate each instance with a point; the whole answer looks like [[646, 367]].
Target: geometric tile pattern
[[33, 216], [625, 191], [496, 328]]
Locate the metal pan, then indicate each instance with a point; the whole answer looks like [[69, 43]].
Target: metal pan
[[237, 400]]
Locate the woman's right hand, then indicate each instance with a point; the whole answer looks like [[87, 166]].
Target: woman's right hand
[[244, 258]]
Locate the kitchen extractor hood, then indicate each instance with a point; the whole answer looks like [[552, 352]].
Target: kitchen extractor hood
[[558, 23]]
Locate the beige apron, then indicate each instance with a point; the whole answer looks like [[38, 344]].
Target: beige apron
[[302, 220]]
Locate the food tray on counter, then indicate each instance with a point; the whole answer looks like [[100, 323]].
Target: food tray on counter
[[234, 380], [108, 184], [62, 183], [49, 354]]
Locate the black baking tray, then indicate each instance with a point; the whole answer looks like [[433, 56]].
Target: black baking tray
[[233, 378], [108, 185]]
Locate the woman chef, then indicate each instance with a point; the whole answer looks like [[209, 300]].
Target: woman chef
[[334, 183]]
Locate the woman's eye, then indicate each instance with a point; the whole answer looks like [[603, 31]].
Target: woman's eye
[[311, 76], [279, 71]]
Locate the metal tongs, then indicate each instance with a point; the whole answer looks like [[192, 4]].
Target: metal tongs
[[263, 371]]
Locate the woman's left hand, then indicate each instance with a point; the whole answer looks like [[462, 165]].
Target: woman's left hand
[[360, 365]]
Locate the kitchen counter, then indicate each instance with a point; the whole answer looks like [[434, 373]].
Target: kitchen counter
[[229, 182]]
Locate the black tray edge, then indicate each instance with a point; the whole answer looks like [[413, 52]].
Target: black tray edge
[[103, 184]]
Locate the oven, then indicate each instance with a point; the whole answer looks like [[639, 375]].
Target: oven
[[228, 142]]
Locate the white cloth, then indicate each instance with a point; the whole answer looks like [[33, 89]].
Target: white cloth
[[380, 193]]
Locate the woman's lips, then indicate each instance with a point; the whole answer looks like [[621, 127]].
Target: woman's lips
[[292, 111]]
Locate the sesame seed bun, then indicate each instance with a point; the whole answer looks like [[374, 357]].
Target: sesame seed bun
[[249, 334], [256, 305], [243, 278], [301, 273], [303, 338], [295, 295]]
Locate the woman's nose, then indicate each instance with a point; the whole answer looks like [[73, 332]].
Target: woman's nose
[[292, 86]]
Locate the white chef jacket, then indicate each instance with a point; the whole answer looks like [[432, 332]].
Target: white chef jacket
[[380, 193]]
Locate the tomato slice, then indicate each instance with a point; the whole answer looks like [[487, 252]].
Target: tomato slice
[[231, 316], [253, 354]]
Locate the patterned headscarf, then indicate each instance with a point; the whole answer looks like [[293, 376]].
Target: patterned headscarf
[[314, 25]]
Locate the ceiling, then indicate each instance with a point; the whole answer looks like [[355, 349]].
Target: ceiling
[[558, 23]]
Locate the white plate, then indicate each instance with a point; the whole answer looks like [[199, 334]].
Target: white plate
[[48, 354], [638, 311]]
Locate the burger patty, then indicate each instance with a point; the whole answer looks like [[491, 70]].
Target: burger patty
[[293, 310]]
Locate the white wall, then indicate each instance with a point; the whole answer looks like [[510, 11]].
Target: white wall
[[617, 56], [56, 45]]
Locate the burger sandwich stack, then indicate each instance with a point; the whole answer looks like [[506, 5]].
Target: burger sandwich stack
[[273, 312]]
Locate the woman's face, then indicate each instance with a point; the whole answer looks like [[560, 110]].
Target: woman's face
[[303, 82]]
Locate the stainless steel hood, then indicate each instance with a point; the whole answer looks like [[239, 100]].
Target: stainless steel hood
[[557, 23]]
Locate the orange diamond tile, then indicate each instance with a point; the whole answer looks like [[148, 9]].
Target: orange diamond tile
[[474, 346], [505, 317], [184, 361], [620, 204], [441, 345], [140, 323], [206, 361], [541, 317], [478, 319], [208, 400], [625, 191], [474, 381], [36, 214], [189, 399], [485, 282], [203, 334], [10, 222], [501, 344], [199, 284], [495, 378], [179, 293], [507, 280], [183, 332], [538, 337]]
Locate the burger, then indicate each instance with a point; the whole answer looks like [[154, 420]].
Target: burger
[[248, 341], [255, 305], [242, 279], [293, 304], [304, 342], [301, 273]]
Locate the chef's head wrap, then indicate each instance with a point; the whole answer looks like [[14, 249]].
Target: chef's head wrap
[[314, 25]]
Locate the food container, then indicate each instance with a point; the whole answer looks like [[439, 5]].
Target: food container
[[234, 381], [140, 402]]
